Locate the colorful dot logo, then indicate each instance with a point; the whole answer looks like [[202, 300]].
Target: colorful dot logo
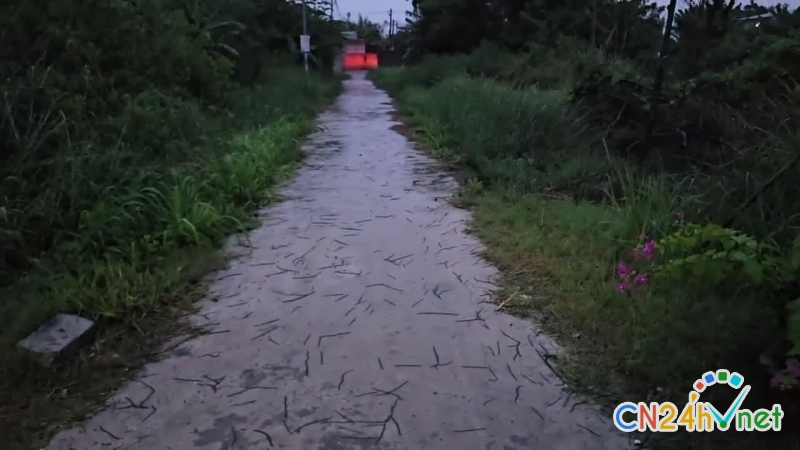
[[721, 376]]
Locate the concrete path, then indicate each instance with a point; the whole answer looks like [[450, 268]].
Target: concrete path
[[358, 319]]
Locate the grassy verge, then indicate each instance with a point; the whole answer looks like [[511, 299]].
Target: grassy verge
[[558, 213], [148, 229]]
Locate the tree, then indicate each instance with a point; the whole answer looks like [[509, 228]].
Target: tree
[[367, 30]]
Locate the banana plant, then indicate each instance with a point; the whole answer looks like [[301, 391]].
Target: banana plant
[[219, 32]]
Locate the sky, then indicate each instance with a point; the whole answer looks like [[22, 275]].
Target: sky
[[375, 10]]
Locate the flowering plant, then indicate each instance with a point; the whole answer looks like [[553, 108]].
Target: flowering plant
[[644, 256], [635, 278], [708, 255], [788, 377]]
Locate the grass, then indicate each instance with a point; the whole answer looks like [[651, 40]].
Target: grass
[[557, 212], [148, 228], [560, 256], [128, 208]]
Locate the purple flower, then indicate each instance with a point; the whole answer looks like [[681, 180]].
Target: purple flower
[[641, 279], [623, 270], [649, 250], [775, 382], [622, 287]]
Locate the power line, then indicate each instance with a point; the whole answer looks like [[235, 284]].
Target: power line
[[364, 13]]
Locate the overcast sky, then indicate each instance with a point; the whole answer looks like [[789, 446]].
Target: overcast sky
[[375, 10]]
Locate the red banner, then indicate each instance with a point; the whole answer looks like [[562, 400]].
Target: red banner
[[360, 62]]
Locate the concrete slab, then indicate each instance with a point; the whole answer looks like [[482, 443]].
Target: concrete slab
[[57, 338]]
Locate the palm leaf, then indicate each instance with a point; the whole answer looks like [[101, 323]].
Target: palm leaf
[[226, 28], [226, 50]]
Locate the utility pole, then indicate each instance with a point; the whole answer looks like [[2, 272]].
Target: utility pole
[[658, 80], [594, 23], [391, 23], [305, 32]]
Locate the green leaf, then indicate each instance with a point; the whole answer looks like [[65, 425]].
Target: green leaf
[[754, 271], [738, 255]]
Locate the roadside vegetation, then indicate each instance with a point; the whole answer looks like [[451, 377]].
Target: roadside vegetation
[[135, 136], [643, 209]]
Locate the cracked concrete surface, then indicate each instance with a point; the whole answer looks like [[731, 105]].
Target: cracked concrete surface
[[358, 318]]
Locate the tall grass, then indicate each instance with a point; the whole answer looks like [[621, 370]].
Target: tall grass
[[518, 138], [105, 229]]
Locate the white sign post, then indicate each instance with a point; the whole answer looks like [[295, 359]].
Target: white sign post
[[305, 43], [305, 39], [305, 47]]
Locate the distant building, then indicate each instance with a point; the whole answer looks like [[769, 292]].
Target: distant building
[[354, 54]]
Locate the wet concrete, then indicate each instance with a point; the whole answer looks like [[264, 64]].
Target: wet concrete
[[357, 318]]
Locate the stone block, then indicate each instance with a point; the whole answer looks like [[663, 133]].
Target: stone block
[[58, 338]]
